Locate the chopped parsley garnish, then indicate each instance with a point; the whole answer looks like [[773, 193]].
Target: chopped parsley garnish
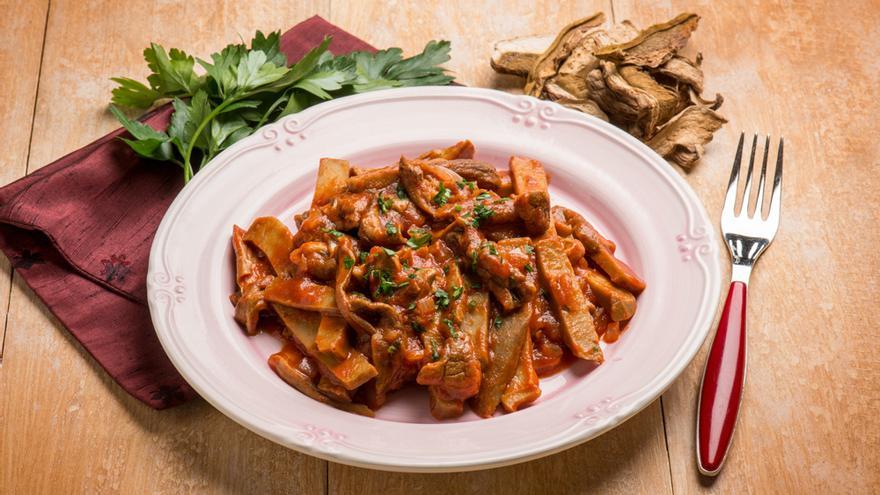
[[474, 260], [451, 326], [481, 212], [441, 298], [333, 232], [418, 238], [362, 256], [348, 262], [417, 327], [529, 268], [411, 306], [466, 183], [492, 250], [401, 191], [457, 208], [391, 229], [411, 276], [529, 249], [386, 285], [483, 196], [456, 291], [394, 347], [497, 322], [543, 292], [472, 303], [389, 252], [442, 196], [435, 355], [384, 204]]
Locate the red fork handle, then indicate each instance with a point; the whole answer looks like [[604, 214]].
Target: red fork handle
[[722, 386]]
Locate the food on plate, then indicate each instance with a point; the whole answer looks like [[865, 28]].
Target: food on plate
[[637, 80], [438, 271]]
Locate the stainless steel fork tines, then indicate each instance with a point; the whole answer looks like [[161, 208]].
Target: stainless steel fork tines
[[748, 235]]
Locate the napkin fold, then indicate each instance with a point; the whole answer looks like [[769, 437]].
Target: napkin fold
[[78, 231]]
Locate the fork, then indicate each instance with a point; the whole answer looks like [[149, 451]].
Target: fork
[[747, 237]]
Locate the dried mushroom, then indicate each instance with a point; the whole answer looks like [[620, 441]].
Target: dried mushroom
[[637, 80], [517, 56], [681, 139], [655, 45]]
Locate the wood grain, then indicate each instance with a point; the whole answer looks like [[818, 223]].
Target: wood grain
[[629, 459], [19, 85], [64, 425], [808, 422], [808, 71]]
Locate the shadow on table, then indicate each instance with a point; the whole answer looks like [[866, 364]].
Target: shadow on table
[[629, 459]]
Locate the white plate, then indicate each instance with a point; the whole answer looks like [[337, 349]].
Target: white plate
[[630, 194]]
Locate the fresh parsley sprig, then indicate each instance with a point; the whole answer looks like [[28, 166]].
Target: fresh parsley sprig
[[244, 88]]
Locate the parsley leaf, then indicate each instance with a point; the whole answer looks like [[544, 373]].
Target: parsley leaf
[[401, 191], [497, 322], [333, 232], [441, 297], [389, 252], [390, 228], [418, 238], [481, 212], [483, 196], [457, 291], [529, 249], [242, 88], [466, 183], [384, 204], [348, 262], [451, 326], [442, 196], [386, 285]]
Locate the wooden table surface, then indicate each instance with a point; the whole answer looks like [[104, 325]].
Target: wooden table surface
[[807, 70]]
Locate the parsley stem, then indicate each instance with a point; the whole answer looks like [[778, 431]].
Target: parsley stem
[[270, 110], [187, 169]]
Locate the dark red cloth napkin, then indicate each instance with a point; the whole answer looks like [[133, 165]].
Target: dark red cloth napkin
[[79, 230]]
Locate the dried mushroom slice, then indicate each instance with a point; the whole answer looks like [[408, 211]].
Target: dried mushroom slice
[[663, 103], [547, 64], [684, 71], [572, 74], [653, 46], [517, 56], [681, 140]]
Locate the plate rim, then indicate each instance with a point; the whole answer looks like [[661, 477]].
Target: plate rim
[[158, 279]]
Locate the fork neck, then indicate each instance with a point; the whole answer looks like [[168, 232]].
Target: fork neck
[[741, 273]]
